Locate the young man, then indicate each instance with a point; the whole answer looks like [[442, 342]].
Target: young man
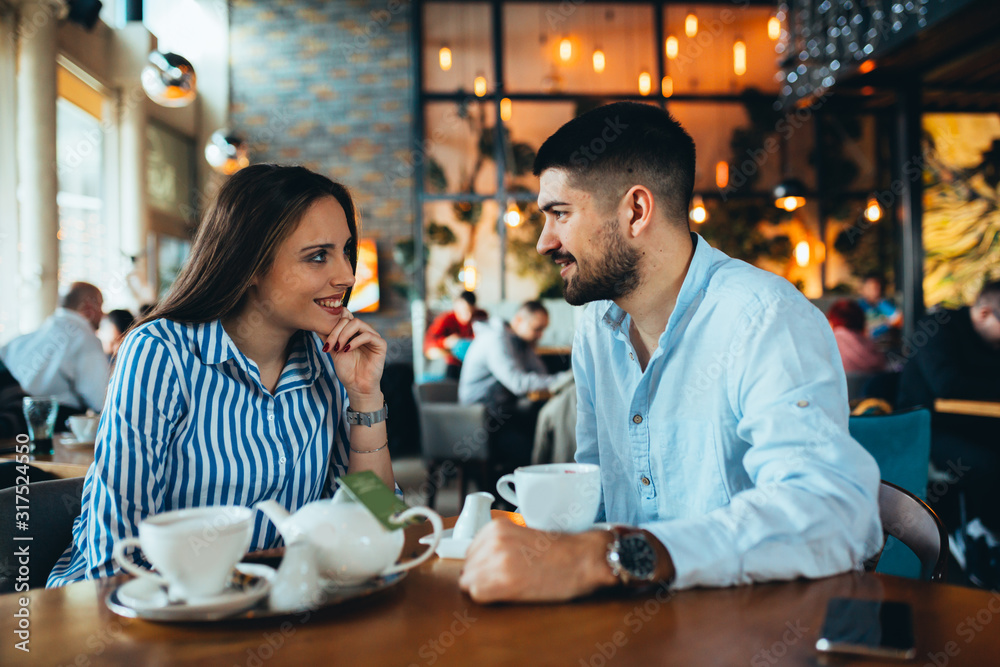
[[710, 393]]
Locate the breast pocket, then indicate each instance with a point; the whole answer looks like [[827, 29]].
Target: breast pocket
[[688, 467]]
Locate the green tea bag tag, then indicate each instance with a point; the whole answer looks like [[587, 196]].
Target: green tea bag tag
[[368, 489]]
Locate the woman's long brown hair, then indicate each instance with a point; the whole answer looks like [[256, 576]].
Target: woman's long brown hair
[[254, 212]]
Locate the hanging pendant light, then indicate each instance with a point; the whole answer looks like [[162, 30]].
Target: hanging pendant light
[[873, 210], [773, 28], [645, 83], [790, 194], [698, 213], [444, 58], [740, 57], [226, 152], [691, 24], [479, 85], [565, 49], [169, 80], [671, 47], [599, 62], [506, 109], [667, 86], [513, 215]]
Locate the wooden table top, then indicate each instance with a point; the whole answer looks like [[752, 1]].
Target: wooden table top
[[961, 407], [65, 462], [426, 620]]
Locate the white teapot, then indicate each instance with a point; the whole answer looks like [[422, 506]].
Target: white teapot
[[351, 545]]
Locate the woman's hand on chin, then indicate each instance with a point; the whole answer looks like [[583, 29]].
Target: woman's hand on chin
[[358, 353]]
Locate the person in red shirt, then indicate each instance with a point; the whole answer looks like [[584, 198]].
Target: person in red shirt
[[449, 335]]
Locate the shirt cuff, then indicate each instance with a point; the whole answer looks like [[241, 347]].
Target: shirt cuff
[[702, 552]]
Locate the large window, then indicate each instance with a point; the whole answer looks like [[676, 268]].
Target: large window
[[498, 77]]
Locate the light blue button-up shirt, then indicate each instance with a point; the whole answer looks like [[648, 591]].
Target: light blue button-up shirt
[[732, 446]]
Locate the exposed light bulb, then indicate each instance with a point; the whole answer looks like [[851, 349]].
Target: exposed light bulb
[[873, 211], [444, 58], [773, 28], [802, 253], [691, 25], [740, 57], [506, 109], [667, 86], [599, 61], [565, 49], [722, 173], [698, 213], [479, 86], [645, 83], [513, 216], [468, 274], [671, 47]]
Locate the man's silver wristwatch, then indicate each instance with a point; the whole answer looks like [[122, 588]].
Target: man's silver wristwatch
[[631, 557], [367, 418]]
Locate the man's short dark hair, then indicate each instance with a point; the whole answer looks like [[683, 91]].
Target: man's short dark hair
[[878, 277], [533, 307], [990, 296], [78, 294], [611, 148], [468, 297]]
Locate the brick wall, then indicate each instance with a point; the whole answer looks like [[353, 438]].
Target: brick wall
[[327, 85]]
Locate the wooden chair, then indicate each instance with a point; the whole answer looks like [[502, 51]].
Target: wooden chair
[[54, 506], [911, 521], [451, 435]]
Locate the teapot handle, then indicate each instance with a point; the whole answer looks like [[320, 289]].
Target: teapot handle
[[435, 520]]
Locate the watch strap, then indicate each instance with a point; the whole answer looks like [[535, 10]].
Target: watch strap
[[367, 418]]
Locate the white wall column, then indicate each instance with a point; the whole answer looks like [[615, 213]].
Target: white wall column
[[131, 47], [36, 161], [9, 233]]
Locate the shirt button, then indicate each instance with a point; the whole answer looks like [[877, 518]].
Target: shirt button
[[645, 481], [637, 419], [282, 460], [630, 356], [803, 404], [270, 418]]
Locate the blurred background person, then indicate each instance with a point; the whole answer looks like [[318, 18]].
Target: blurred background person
[[113, 328], [858, 352], [11, 416], [500, 370], [450, 334], [64, 357], [881, 314]]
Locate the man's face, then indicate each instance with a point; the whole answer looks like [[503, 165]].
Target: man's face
[[529, 327], [986, 322], [871, 290], [586, 242], [93, 309], [463, 311]]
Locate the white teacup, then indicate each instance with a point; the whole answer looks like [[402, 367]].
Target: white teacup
[[84, 427], [555, 496], [194, 550]]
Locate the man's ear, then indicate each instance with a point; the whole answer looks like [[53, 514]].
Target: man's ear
[[637, 205]]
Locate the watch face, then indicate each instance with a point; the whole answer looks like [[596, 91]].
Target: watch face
[[638, 557]]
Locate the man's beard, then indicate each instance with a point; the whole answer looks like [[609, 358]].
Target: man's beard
[[610, 277]]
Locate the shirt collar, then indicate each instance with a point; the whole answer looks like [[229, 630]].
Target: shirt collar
[[73, 315], [694, 282], [302, 368]]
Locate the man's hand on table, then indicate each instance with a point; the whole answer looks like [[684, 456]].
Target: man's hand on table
[[511, 562]]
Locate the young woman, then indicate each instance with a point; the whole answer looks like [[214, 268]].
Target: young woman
[[240, 385]]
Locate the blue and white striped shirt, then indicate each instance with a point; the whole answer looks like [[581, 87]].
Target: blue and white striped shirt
[[188, 423]]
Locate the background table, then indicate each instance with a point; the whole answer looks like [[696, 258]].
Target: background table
[[65, 462], [961, 407], [426, 620]]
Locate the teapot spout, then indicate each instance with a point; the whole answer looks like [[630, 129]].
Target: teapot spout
[[276, 513]]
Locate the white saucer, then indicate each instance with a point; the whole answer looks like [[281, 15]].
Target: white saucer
[[70, 441], [148, 599]]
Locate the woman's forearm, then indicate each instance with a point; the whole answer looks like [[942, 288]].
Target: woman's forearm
[[369, 444]]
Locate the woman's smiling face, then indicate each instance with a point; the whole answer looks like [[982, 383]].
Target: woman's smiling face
[[305, 286]]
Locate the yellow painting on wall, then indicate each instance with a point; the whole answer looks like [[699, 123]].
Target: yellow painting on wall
[[961, 224]]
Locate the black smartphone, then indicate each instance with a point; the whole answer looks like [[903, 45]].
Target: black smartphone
[[868, 627]]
